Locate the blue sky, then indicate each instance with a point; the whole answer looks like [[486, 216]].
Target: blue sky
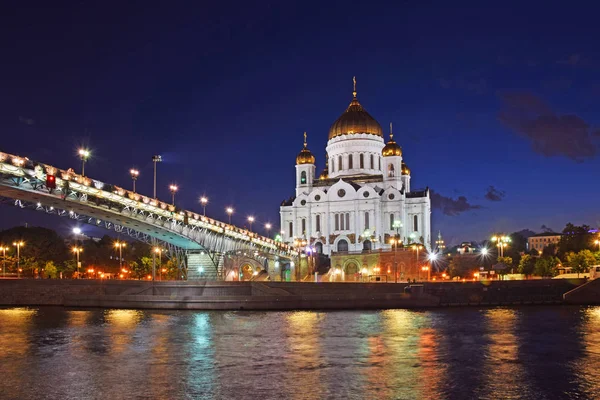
[[498, 96]]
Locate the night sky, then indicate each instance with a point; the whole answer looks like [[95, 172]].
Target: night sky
[[494, 103]]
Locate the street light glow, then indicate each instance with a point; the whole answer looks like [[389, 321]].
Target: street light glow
[[173, 188], [84, 153], [250, 218], [229, 210], [77, 230], [203, 200]]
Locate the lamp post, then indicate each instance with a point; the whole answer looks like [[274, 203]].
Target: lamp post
[[432, 257], [156, 159], [120, 246], [134, 175], [268, 228], [204, 202], [417, 247], [229, 211], [426, 268], [157, 250], [173, 189], [395, 242], [18, 245], [501, 243], [4, 249], [77, 250], [598, 243], [250, 221], [84, 154]]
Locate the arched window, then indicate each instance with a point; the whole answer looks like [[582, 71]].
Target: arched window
[[332, 165], [303, 177], [303, 226], [391, 172], [350, 166], [372, 162], [367, 245], [337, 222], [342, 245], [318, 223], [362, 160], [415, 223], [366, 220], [319, 247], [291, 230], [339, 163], [348, 221], [379, 158], [391, 221]]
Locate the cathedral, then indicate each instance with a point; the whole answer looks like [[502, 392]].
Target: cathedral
[[363, 198]]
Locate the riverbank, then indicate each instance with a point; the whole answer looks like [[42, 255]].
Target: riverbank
[[280, 295]]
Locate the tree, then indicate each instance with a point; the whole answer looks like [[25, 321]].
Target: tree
[[574, 239], [526, 265], [546, 266], [50, 269], [581, 261]]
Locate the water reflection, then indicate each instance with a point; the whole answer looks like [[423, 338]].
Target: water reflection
[[529, 352], [303, 363]]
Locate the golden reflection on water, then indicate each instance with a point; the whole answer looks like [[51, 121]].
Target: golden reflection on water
[[403, 352], [121, 327], [303, 353], [14, 331], [504, 369], [589, 376]]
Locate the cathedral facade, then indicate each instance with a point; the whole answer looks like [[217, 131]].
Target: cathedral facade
[[363, 198]]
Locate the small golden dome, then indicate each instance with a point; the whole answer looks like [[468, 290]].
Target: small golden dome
[[405, 169], [325, 173], [391, 147], [355, 120], [305, 156]]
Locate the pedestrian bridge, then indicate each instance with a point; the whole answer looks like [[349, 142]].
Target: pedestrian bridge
[[206, 248]]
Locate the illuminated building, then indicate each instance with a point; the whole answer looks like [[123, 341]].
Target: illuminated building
[[363, 198]]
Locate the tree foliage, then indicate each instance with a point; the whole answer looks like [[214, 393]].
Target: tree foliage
[[546, 266], [526, 265], [581, 261]]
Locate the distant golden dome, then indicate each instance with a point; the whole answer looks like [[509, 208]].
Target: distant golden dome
[[391, 148], [325, 173], [305, 156], [405, 169], [355, 120]]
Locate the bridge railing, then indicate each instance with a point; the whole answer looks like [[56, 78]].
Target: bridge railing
[[66, 180]]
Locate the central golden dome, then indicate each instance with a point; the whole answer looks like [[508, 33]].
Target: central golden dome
[[355, 120]]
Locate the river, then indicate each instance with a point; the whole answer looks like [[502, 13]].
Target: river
[[531, 352]]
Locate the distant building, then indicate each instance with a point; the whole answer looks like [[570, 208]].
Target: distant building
[[542, 240], [466, 248]]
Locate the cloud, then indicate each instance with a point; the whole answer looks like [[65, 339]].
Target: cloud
[[494, 194], [550, 134], [450, 206], [26, 121]]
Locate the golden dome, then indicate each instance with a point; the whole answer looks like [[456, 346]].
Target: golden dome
[[405, 169], [391, 147], [305, 156], [355, 120]]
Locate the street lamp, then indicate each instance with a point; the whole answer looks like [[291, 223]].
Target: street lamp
[[173, 189], [501, 243], [268, 228], [417, 247], [426, 268], [18, 245], [229, 211], [84, 154], [395, 242], [251, 220], [204, 202], [155, 159], [598, 243], [432, 257], [77, 250], [120, 246], [134, 175], [4, 249], [157, 250]]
